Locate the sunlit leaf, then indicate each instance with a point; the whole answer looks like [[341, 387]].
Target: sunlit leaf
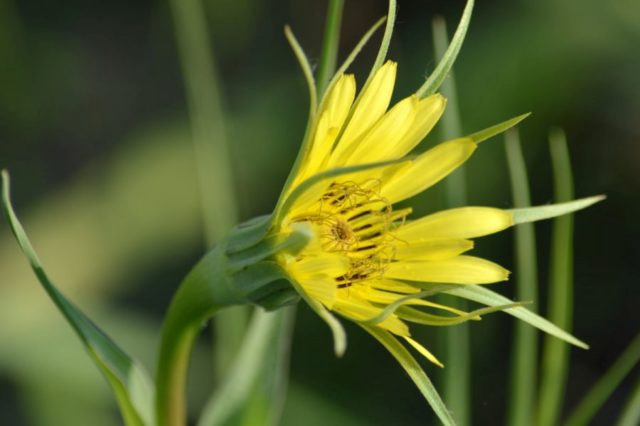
[[130, 383]]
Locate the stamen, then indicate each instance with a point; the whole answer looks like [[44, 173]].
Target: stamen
[[354, 220]]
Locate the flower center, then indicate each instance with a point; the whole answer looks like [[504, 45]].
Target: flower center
[[356, 221]]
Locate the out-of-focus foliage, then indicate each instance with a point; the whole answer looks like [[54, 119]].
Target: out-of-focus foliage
[[93, 129]]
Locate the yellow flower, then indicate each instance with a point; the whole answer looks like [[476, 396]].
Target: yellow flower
[[364, 255]]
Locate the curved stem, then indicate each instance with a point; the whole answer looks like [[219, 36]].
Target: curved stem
[[204, 292]]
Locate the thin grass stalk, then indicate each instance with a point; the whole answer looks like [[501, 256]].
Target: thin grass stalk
[[525, 348], [555, 354], [604, 387], [330, 44], [630, 415], [212, 154], [457, 374]]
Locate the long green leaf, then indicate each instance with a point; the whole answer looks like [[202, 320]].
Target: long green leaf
[[433, 82], [415, 371], [491, 298], [525, 346], [555, 354], [604, 387], [130, 383]]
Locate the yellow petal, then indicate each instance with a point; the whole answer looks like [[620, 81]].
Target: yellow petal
[[457, 270], [322, 289], [423, 351], [463, 222], [340, 100], [381, 142], [332, 116], [325, 264], [428, 112], [372, 104], [427, 170], [435, 249]]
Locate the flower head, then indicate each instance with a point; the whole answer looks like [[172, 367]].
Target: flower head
[[364, 254], [339, 237]]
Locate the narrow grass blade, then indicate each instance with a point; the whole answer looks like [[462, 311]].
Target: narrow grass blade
[[525, 348], [212, 154], [631, 412], [555, 354], [130, 383], [489, 297], [433, 82], [456, 340], [207, 118], [329, 55], [415, 371], [604, 387]]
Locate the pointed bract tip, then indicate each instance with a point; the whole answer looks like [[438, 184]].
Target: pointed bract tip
[[339, 348]]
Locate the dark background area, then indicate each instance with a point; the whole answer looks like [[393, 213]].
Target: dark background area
[[94, 130]]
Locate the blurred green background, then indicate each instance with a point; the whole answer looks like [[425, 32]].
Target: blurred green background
[[94, 130]]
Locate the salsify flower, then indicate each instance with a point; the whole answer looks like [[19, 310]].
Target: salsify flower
[[338, 236], [364, 254], [366, 259]]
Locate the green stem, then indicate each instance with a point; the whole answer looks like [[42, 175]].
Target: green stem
[[524, 362], [599, 393], [211, 152], [330, 43], [555, 354], [203, 293], [456, 339], [630, 415]]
